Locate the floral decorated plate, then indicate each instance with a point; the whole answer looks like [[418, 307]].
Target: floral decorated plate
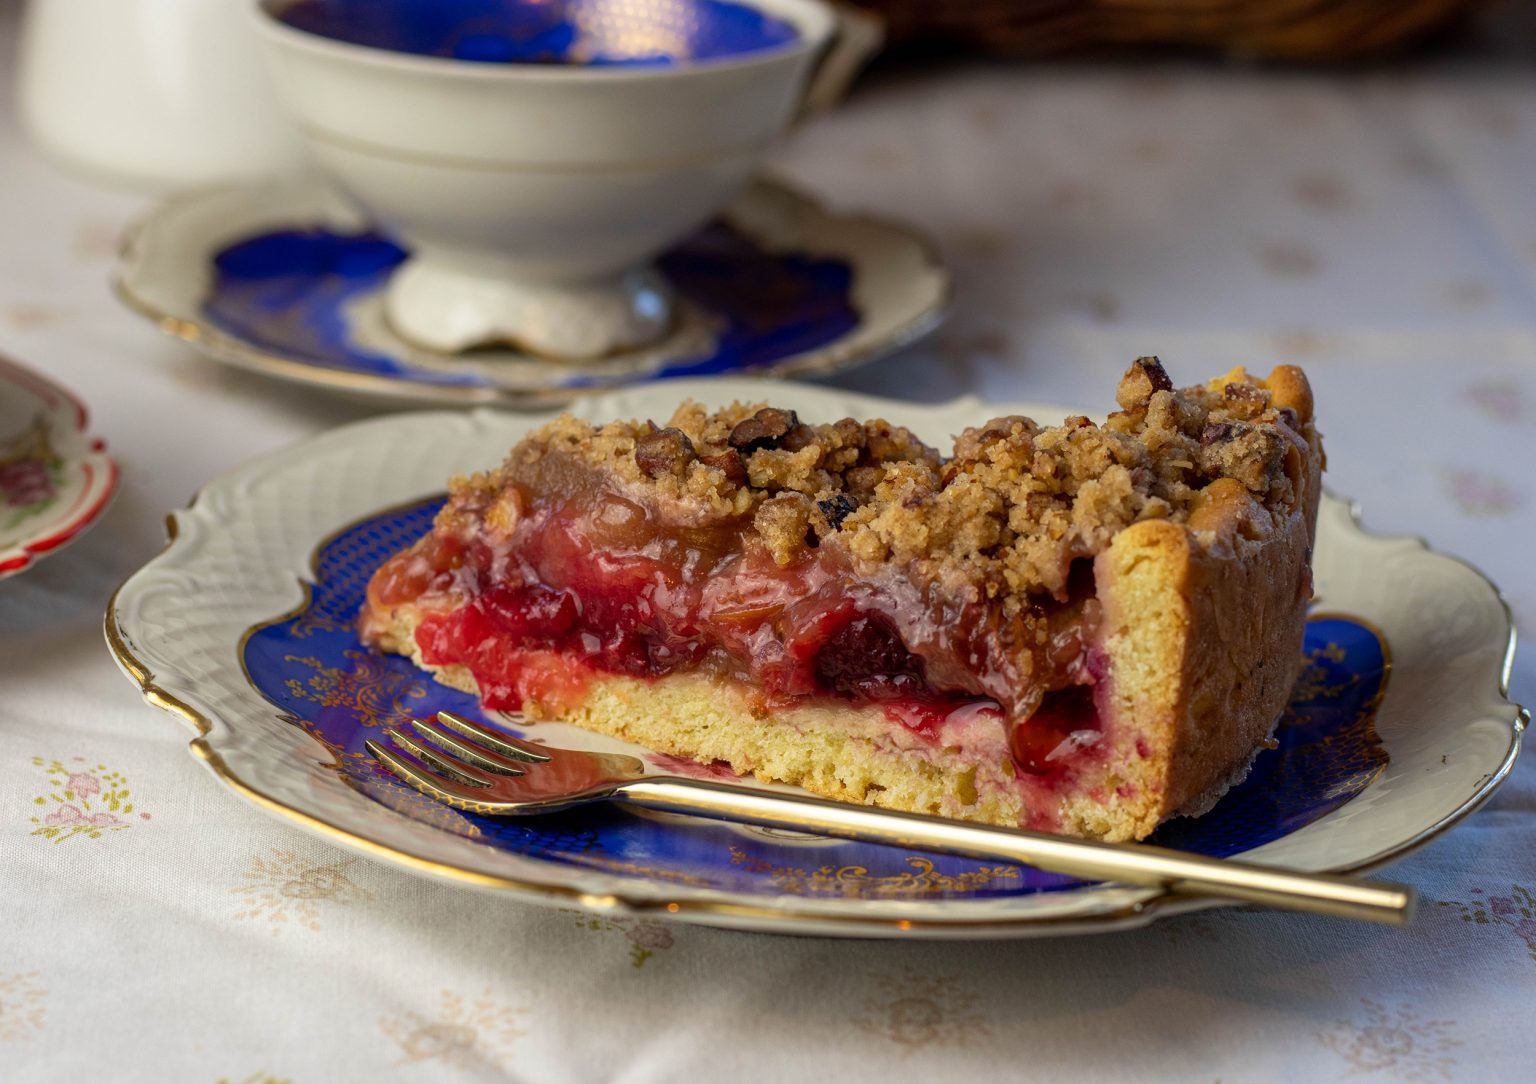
[[55, 479], [286, 281], [1399, 726]]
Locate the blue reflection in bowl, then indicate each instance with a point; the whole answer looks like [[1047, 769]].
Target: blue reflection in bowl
[[655, 33]]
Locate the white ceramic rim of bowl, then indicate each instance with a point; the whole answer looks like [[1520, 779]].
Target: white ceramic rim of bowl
[[814, 21]]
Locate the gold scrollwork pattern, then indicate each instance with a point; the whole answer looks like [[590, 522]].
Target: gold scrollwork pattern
[[1313, 682], [853, 881], [314, 620], [474, 1034], [638, 869], [1345, 760], [374, 692]]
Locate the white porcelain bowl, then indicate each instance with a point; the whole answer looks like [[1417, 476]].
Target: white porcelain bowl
[[532, 196]]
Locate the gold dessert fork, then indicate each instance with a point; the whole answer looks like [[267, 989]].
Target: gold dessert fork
[[483, 771]]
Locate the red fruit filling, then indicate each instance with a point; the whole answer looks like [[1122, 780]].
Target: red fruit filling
[[599, 585]]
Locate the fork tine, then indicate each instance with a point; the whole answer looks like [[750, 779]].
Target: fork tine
[[465, 750], [434, 786], [502, 743], [453, 768]]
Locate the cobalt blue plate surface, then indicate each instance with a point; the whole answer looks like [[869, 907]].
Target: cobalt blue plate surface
[[290, 281], [291, 292], [311, 665], [630, 33]]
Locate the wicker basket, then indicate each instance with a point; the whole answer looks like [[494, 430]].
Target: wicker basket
[[1288, 30]]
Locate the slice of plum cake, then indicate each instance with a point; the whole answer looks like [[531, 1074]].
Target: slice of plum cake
[[1080, 628]]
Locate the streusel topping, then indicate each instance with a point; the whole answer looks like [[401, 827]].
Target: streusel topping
[[1009, 511]]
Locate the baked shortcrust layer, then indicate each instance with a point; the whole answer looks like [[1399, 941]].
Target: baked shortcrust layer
[[1081, 628]]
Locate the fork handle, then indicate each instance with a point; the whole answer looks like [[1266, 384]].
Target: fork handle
[[1137, 864]]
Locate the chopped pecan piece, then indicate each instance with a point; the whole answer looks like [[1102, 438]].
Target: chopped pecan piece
[[1245, 400], [666, 451], [971, 444], [863, 479], [801, 436], [765, 429], [729, 461], [1144, 377], [885, 443], [1215, 432]]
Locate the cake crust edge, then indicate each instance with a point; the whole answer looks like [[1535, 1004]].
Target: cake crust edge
[[1203, 631]]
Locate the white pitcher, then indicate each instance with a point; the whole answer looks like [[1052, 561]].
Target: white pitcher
[[158, 94]]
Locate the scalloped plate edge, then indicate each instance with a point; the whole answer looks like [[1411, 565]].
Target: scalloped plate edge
[[99, 470], [1121, 907]]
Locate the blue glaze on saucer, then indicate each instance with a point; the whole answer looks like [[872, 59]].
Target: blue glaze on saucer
[[312, 667], [628, 33], [288, 292]]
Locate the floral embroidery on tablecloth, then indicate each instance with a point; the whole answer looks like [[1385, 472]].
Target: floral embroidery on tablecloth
[[1299, 112], [1394, 1040], [1186, 929], [990, 115], [473, 1034], [1288, 259], [1516, 912], [85, 801], [1423, 164], [927, 1010], [1151, 151], [1499, 398], [1462, 293], [645, 938], [1478, 492], [21, 1006], [885, 157], [25, 316], [1494, 118], [286, 888], [1321, 192], [96, 240], [1074, 196]]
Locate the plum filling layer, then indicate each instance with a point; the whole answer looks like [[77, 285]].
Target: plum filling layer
[[594, 583]]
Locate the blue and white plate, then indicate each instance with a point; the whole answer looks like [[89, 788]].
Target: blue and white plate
[[1399, 726], [288, 281]]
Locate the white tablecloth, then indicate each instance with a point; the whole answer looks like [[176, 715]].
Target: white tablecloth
[[1378, 228]]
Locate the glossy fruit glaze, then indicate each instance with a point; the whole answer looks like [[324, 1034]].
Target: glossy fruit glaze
[[600, 584]]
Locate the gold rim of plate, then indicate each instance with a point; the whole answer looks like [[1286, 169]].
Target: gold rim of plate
[[1156, 904], [1500, 722]]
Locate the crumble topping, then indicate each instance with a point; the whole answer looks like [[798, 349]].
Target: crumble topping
[[1009, 512]]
